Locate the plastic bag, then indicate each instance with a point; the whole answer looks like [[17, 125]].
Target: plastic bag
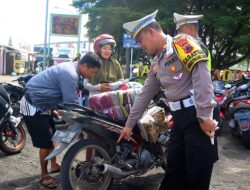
[[153, 123], [114, 104]]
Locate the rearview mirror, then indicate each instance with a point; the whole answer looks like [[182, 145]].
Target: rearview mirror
[[227, 86]]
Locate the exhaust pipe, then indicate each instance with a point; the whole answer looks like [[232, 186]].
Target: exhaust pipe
[[115, 172]]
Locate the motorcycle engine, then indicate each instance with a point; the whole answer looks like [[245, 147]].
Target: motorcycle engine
[[143, 159]]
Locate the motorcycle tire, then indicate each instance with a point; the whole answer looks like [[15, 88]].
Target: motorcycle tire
[[67, 174], [7, 139], [246, 138]]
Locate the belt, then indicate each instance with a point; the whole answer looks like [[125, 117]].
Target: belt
[[181, 104]]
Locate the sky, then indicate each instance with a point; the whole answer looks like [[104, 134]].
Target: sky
[[24, 20]]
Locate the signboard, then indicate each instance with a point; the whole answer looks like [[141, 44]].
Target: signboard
[[66, 25], [129, 42], [40, 50]]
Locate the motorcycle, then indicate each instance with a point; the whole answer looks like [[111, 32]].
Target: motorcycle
[[12, 133], [16, 91], [94, 162], [221, 93], [239, 109], [235, 108]]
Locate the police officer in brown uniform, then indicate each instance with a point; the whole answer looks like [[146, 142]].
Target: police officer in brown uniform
[[179, 67]]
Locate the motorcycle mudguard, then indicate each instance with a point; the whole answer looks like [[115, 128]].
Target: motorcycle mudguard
[[57, 150], [64, 140]]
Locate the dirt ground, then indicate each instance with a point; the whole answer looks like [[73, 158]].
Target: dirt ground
[[231, 172]]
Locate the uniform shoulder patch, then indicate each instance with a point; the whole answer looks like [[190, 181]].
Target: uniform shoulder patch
[[189, 51], [154, 66]]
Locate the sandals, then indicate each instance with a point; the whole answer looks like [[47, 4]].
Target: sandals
[[48, 182]]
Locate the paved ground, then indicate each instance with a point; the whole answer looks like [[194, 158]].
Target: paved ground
[[231, 172], [7, 78]]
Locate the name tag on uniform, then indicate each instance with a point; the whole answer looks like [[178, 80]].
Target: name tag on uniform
[[169, 46]]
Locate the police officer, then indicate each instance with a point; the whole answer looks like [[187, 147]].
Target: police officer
[[179, 67], [188, 24]]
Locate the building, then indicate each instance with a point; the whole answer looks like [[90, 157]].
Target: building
[[16, 61]]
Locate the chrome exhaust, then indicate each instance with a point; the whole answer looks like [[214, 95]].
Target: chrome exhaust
[[115, 172]]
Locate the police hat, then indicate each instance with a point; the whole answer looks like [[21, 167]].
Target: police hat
[[134, 27], [180, 20]]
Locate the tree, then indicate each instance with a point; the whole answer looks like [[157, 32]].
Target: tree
[[225, 27]]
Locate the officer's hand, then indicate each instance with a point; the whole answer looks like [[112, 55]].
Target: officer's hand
[[209, 125], [126, 134], [105, 87]]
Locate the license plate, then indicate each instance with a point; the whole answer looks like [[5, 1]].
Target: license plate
[[63, 136], [244, 115]]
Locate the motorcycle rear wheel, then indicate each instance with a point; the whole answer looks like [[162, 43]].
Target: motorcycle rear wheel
[[78, 169], [9, 143]]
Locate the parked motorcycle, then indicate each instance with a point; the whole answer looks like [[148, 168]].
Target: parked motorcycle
[[93, 163], [220, 93], [16, 91], [12, 133], [239, 109], [234, 103]]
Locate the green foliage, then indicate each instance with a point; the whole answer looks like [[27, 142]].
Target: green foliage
[[225, 27]]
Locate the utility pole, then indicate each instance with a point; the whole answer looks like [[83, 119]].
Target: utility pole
[[45, 34]]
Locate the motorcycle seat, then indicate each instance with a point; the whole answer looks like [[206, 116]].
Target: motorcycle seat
[[104, 117]]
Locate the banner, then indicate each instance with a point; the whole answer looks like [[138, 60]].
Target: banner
[[223, 75], [66, 25], [228, 75]]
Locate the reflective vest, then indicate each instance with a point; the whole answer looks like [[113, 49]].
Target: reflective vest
[[209, 61]]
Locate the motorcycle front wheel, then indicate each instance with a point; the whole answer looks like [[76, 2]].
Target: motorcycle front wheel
[[79, 168], [11, 142]]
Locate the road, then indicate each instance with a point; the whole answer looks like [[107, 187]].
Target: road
[[231, 172]]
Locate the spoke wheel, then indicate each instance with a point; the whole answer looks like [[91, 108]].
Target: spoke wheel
[[80, 167]]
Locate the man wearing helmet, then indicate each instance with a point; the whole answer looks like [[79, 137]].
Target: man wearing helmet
[[110, 71]]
